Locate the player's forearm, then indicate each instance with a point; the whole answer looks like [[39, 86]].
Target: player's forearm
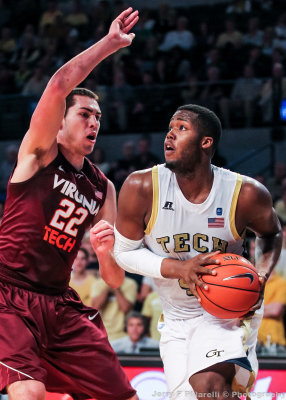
[[78, 68], [267, 251], [110, 272]]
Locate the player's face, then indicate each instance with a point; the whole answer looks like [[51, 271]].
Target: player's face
[[81, 124], [135, 329], [182, 144]]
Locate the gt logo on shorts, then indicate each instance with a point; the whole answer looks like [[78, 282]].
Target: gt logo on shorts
[[214, 353]]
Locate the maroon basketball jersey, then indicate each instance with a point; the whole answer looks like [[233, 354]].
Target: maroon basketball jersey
[[44, 221]]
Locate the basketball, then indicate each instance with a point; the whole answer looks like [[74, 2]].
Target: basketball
[[233, 290]]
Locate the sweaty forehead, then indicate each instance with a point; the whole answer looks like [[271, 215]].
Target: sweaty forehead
[[185, 115]]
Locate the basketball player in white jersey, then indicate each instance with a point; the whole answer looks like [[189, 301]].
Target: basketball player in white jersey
[[186, 211]]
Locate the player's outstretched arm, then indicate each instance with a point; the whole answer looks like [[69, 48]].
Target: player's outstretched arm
[[39, 145]]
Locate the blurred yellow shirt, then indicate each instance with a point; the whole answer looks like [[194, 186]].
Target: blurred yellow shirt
[[275, 292]]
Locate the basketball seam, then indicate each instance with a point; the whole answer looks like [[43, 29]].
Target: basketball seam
[[223, 308], [232, 287]]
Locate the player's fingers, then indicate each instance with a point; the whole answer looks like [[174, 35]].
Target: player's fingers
[[195, 292], [101, 225], [129, 23], [207, 271], [104, 233], [124, 14]]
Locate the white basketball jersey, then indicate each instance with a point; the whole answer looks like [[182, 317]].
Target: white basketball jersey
[[180, 229]]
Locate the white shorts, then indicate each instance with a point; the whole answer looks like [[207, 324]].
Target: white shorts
[[189, 346]]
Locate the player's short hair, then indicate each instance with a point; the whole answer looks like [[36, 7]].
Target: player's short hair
[[78, 91], [206, 122]]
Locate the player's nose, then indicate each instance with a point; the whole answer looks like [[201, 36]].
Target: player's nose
[[93, 121]]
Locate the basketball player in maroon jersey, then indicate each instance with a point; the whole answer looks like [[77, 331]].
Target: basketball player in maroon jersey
[[48, 338]]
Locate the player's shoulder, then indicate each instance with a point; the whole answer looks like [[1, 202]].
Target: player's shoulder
[[253, 190], [139, 180]]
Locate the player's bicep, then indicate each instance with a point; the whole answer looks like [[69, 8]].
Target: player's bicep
[[45, 123], [132, 207], [258, 208]]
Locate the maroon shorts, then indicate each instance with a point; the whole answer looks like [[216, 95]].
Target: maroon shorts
[[60, 342]]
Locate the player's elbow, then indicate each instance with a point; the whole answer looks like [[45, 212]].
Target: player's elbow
[[55, 86]]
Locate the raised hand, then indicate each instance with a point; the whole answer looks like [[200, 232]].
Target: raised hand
[[102, 237], [121, 26]]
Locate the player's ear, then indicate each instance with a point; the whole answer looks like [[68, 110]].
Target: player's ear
[[207, 142]]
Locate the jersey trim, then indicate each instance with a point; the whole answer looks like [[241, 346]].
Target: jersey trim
[[155, 203], [233, 208], [16, 370]]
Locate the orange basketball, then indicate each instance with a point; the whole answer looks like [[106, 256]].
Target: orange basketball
[[233, 290]]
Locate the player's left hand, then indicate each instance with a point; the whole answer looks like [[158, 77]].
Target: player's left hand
[[121, 26], [102, 237], [251, 311]]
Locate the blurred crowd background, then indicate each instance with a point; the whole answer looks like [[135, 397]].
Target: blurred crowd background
[[229, 56]]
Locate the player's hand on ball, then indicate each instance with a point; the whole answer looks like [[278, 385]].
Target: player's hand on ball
[[196, 266], [102, 237], [251, 312]]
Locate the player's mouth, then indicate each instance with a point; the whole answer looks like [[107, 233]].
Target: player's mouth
[[169, 148], [92, 137]]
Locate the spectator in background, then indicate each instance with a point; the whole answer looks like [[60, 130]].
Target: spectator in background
[[124, 166], [213, 94], [37, 83], [280, 268], [49, 15], [152, 309], [254, 35], [136, 339], [21, 75], [243, 98], [119, 101], [78, 19], [280, 205], [260, 62], [272, 330], [145, 158], [180, 37], [114, 304], [81, 280], [274, 183], [92, 265], [230, 36], [272, 93], [98, 157], [147, 287], [6, 167], [7, 42]]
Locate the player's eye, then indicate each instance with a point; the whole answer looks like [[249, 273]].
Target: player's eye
[[85, 115], [182, 127]]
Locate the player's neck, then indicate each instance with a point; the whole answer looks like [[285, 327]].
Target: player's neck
[[196, 186], [75, 159]]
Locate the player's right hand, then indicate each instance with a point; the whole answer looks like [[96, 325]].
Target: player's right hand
[[120, 27], [193, 267]]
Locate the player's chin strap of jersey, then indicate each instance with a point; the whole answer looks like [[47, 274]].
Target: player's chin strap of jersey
[[134, 258]]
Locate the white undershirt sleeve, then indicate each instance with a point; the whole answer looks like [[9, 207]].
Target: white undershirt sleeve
[[132, 257]]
